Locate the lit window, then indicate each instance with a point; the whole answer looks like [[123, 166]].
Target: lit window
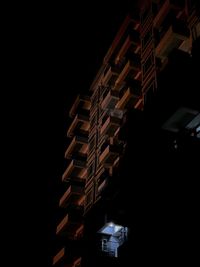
[[113, 236]]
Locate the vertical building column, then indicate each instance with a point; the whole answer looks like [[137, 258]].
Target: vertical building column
[[148, 61]]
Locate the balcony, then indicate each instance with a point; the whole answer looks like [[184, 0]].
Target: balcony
[[59, 256], [111, 125], [109, 154], [110, 76], [80, 122], [173, 38], [132, 40], [78, 144], [117, 39], [82, 102], [164, 10], [76, 168], [77, 263], [71, 226], [110, 100], [66, 260], [129, 98], [132, 67], [74, 195]]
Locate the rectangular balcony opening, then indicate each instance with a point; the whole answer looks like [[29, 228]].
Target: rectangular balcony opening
[[80, 122], [110, 126], [74, 195], [81, 103], [167, 6], [70, 226], [110, 75], [133, 40], [110, 100], [133, 65], [173, 38], [65, 259], [109, 153], [76, 168], [78, 144], [129, 98]]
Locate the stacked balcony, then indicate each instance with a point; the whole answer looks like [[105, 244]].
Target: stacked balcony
[[110, 75], [74, 196], [130, 96], [71, 226], [80, 122], [81, 102], [111, 125], [110, 100], [109, 154], [168, 5], [80, 114], [76, 169], [128, 22], [173, 38], [62, 259], [79, 144], [132, 40], [132, 67]]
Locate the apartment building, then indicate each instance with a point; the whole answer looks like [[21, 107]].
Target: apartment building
[[133, 137]]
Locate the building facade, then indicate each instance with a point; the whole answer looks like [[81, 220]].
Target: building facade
[[133, 137]]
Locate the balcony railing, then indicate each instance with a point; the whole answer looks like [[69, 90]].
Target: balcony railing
[[110, 154], [110, 100], [129, 98], [80, 102], [59, 256], [110, 125], [110, 76], [76, 168], [78, 144], [131, 40], [164, 10], [74, 195], [173, 38], [77, 263], [70, 226], [133, 66], [80, 122], [62, 259]]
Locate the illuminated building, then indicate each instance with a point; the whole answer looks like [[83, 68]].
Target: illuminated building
[[133, 138]]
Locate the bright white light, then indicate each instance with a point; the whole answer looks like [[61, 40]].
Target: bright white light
[[117, 228], [110, 228]]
